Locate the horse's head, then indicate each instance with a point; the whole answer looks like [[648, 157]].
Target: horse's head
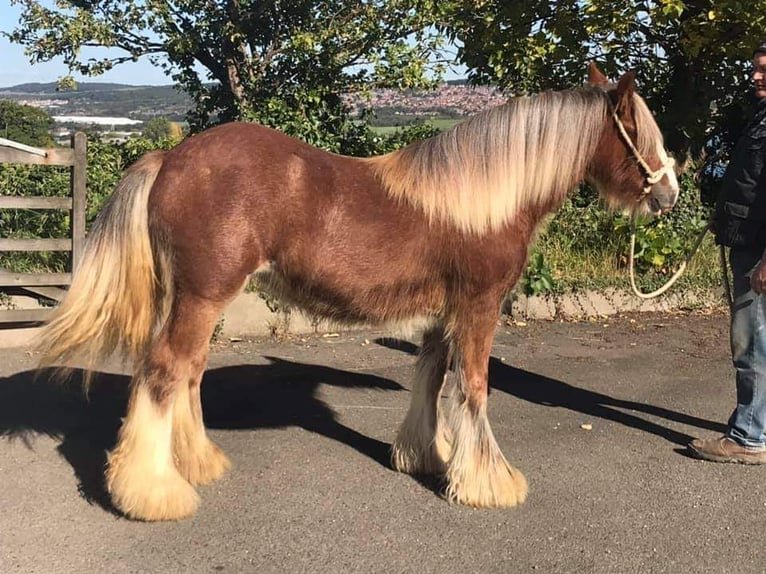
[[631, 168]]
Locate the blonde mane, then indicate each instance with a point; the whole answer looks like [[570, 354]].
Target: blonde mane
[[530, 151]]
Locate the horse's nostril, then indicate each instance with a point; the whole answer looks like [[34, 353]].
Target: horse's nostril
[[663, 198]]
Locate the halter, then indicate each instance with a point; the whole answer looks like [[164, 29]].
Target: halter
[[650, 176]]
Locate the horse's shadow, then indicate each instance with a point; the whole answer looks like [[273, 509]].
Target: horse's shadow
[[280, 394], [543, 390], [277, 395]]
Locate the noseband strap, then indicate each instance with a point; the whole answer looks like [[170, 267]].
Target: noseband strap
[[650, 176]]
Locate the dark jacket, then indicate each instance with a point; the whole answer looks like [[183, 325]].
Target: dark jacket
[[740, 216]]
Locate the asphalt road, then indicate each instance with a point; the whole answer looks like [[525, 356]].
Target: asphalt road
[[307, 423]]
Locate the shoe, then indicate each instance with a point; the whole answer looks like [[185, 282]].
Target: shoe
[[724, 449]]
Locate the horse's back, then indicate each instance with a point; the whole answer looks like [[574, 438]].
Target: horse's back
[[239, 196]]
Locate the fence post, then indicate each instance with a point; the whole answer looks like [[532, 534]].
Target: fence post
[[78, 182]]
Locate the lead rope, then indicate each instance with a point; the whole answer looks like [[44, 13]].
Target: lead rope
[[725, 275], [676, 275]]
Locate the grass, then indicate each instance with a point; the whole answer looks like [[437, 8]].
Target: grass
[[595, 269], [438, 123]]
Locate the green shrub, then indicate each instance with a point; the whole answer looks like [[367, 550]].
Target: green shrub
[[586, 247], [537, 278]]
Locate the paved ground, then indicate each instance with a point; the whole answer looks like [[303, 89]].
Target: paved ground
[[308, 422]]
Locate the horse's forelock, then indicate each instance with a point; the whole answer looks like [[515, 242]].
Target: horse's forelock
[[649, 140]]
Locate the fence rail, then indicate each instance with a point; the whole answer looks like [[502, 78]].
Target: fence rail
[[48, 285], [36, 202]]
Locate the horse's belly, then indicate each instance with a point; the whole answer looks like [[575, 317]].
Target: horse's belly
[[347, 302], [310, 298]]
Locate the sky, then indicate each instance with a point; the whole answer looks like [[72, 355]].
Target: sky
[[15, 67]]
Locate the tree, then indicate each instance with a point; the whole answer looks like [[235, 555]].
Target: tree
[[25, 124], [691, 56], [160, 128], [282, 63]]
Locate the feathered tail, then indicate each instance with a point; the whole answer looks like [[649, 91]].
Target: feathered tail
[[120, 293]]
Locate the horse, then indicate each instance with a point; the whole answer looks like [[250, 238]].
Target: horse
[[435, 233]]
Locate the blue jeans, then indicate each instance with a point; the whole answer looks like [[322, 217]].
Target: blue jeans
[[748, 351]]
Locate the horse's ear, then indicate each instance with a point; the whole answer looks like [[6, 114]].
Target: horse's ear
[[595, 77], [625, 88]]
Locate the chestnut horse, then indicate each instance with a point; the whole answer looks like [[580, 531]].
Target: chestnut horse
[[435, 233]]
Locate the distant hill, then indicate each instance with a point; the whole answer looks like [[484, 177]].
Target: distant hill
[[50, 88], [103, 99], [453, 99]]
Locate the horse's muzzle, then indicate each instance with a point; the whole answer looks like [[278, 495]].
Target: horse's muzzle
[[662, 198]]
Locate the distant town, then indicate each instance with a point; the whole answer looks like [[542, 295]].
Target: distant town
[[120, 110], [451, 100]]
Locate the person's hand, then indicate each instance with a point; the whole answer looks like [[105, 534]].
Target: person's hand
[[758, 278]]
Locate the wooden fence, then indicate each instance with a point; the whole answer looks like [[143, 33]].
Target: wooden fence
[[48, 285]]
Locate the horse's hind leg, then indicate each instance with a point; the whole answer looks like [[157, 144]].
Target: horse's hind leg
[[477, 472], [198, 459], [142, 476], [421, 446]]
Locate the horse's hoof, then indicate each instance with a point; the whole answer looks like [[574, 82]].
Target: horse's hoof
[[205, 468], [499, 486], [416, 463], [153, 497]]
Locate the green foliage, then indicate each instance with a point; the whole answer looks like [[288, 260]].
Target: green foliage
[[377, 143], [662, 243], [581, 224], [106, 162], [25, 124], [19, 180], [690, 57], [656, 245], [538, 278], [217, 335], [586, 246], [158, 128]]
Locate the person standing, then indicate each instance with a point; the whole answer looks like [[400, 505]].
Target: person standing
[[739, 222]]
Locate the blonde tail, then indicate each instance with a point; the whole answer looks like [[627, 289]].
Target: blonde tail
[[119, 293]]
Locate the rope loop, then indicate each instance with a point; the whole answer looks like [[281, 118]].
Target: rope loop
[[657, 292]]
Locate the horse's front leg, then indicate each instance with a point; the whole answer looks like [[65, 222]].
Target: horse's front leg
[[421, 446], [477, 472]]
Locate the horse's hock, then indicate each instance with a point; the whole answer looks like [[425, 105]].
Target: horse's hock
[[24, 291]]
